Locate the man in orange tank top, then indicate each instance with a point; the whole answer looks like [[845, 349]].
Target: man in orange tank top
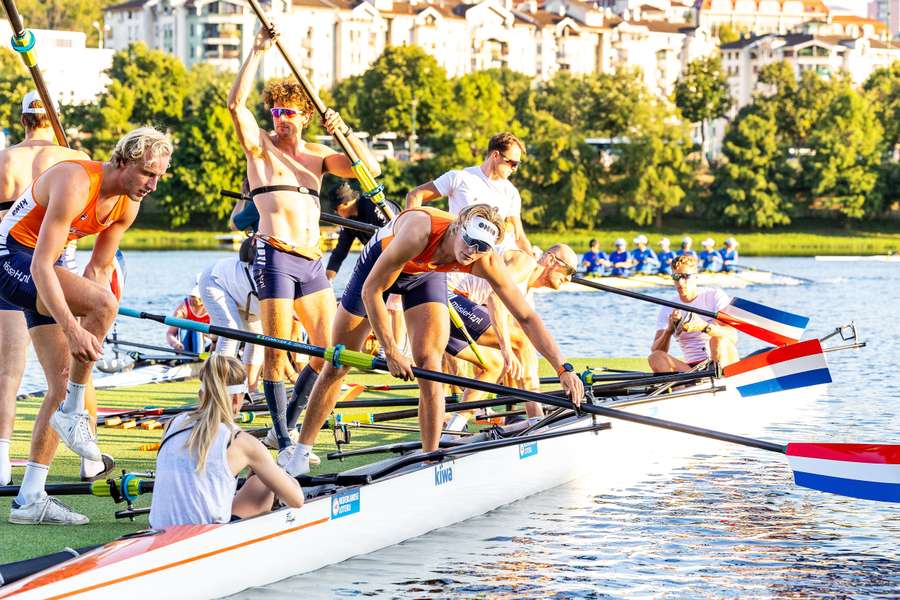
[[19, 165], [68, 314], [410, 256], [285, 174]]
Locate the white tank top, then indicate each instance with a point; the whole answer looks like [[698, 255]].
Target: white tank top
[[478, 290], [234, 278], [181, 495]]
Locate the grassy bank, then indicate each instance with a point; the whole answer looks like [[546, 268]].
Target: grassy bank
[[124, 445], [801, 242]]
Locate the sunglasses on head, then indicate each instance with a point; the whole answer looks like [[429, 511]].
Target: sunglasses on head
[[479, 245], [286, 113], [513, 164], [680, 276], [570, 270]]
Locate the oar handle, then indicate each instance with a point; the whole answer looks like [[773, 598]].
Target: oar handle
[[374, 191], [644, 297]]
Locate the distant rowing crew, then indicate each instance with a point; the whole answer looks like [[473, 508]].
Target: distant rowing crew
[[642, 260]]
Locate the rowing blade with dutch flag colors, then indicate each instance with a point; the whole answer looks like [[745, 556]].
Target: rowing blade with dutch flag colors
[[790, 367], [763, 322], [851, 472]]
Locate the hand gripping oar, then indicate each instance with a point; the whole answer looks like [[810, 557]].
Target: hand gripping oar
[[762, 322], [23, 42], [372, 190], [834, 469]]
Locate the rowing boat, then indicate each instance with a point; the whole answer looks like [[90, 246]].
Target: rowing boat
[[382, 504], [743, 279]]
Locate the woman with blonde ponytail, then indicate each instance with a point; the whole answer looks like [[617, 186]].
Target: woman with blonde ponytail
[[203, 451]]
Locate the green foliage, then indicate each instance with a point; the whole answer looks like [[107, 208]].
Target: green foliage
[[883, 89], [157, 82], [68, 15], [744, 192], [14, 84], [728, 34], [702, 92]]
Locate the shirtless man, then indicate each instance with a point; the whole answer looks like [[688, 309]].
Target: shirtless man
[[410, 257], [285, 174], [68, 314], [19, 166]]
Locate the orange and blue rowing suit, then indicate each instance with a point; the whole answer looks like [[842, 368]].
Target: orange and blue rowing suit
[[19, 233], [420, 281]]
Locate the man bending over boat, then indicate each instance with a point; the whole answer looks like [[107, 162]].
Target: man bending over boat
[[285, 174], [202, 453], [701, 339], [411, 256], [487, 319], [20, 164], [71, 200]]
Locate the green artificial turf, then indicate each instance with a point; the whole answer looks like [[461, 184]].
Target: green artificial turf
[[18, 542]]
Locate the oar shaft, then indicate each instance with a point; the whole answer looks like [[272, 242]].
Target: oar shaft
[[644, 297], [119, 342], [325, 217], [349, 358]]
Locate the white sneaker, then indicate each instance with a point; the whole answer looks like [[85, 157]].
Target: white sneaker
[[105, 467], [75, 431], [285, 456], [45, 509], [271, 440], [298, 464]]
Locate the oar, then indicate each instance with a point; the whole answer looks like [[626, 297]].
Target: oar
[[762, 322], [118, 342], [879, 479], [749, 268], [371, 189], [458, 323], [109, 488], [325, 217], [23, 42]]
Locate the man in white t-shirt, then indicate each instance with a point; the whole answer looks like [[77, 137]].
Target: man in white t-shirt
[[701, 338], [485, 184]]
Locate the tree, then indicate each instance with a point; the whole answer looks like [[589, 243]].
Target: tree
[[847, 150], [156, 80], [398, 78], [883, 89], [744, 191], [69, 15], [14, 84], [727, 34], [702, 93]]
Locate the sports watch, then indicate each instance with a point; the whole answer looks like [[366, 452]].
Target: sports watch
[[565, 367]]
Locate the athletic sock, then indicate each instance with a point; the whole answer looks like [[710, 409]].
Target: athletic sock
[[74, 402], [5, 465], [33, 483], [304, 449], [300, 398], [276, 401]]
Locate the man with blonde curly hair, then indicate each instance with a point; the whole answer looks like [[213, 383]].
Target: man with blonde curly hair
[[68, 315], [701, 339], [410, 257], [285, 174]]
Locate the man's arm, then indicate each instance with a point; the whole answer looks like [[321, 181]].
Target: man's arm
[[248, 131], [519, 231], [340, 252], [101, 265], [339, 163], [422, 194]]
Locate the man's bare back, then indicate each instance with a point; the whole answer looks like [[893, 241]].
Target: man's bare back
[[22, 163]]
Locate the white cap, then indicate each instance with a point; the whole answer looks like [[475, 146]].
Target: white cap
[[708, 242], [687, 240], [479, 228], [620, 242], [731, 242], [27, 102], [641, 239], [665, 242]]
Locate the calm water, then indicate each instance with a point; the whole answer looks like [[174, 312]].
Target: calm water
[[727, 523]]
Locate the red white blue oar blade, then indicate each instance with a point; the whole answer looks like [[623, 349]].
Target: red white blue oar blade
[[790, 367], [763, 322], [867, 471]]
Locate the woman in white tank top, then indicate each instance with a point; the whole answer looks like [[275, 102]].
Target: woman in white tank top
[[202, 453]]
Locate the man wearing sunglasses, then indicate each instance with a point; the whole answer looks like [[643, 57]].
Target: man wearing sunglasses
[[411, 256], [285, 174], [701, 339], [488, 321], [487, 183]]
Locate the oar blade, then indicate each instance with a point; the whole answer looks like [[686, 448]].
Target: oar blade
[[867, 471], [791, 367], [771, 325]]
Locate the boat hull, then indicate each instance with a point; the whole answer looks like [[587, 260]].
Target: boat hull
[[721, 280]]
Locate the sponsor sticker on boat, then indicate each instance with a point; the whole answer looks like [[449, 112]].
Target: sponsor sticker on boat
[[527, 450], [345, 503], [443, 474]]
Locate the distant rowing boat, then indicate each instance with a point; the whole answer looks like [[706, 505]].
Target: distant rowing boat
[[869, 258], [742, 279]]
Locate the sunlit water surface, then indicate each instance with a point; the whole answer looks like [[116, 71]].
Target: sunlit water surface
[[725, 523]]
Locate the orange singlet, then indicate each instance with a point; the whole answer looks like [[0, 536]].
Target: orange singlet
[[440, 222]]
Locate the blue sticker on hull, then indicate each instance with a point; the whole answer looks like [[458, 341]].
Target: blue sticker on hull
[[527, 450], [345, 503]]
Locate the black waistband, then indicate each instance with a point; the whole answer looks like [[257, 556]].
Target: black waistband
[[283, 188], [7, 205]]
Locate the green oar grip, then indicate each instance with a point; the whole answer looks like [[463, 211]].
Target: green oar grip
[[341, 357]]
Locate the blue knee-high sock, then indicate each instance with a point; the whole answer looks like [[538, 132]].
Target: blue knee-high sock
[[276, 400], [300, 398]]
